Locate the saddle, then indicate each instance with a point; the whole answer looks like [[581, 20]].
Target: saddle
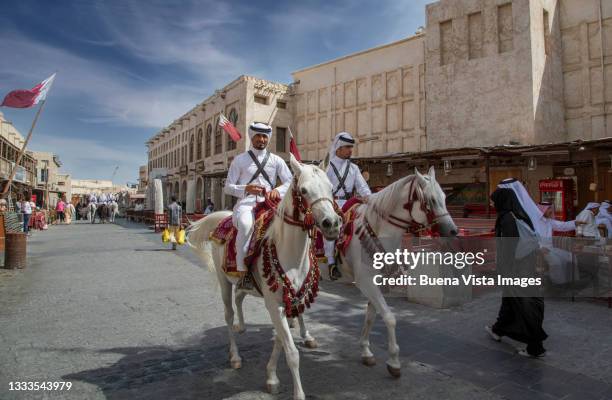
[[225, 234]]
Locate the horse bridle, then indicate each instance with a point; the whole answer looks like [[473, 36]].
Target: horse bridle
[[301, 206], [416, 194]]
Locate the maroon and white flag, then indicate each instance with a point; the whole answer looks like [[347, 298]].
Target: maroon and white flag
[[228, 127], [293, 147], [24, 98]]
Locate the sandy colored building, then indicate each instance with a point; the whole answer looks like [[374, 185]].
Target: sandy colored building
[[81, 187], [482, 74], [11, 142], [196, 152], [142, 179], [51, 183]]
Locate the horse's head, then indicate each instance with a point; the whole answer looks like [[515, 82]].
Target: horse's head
[[313, 189], [430, 208]]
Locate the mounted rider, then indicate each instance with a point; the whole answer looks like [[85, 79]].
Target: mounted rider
[[346, 179], [252, 176]]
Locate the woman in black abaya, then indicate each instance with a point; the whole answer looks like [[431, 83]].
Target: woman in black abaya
[[521, 314]]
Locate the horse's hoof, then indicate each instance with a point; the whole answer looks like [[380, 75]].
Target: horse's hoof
[[311, 344], [239, 329], [236, 364], [368, 361], [395, 372], [273, 388]]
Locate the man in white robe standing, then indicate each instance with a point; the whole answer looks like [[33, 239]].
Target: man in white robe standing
[[252, 176]]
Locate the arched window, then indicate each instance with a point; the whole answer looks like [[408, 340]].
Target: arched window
[[208, 140], [218, 142], [199, 144], [233, 118], [191, 144]]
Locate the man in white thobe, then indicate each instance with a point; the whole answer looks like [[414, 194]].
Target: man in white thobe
[[252, 176], [560, 261], [586, 224], [604, 218], [346, 179]]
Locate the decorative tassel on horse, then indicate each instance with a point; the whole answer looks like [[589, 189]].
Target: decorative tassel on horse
[[295, 301], [309, 220]]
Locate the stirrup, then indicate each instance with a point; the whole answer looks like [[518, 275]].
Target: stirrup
[[334, 272]]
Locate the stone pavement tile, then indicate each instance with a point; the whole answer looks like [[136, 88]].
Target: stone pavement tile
[[585, 384], [585, 396], [525, 378], [512, 391], [481, 378], [459, 354], [429, 358], [487, 356], [555, 387]]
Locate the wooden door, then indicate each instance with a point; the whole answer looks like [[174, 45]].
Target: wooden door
[[496, 175]]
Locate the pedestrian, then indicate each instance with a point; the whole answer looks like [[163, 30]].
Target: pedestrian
[[210, 207], [26, 209], [605, 218], [521, 314], [587, 228], [586, 222], [59, 209], [559, 260], [70, 212], [174, 219]]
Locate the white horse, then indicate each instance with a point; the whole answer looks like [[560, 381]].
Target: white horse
[[410, 204], [310, 195], [114, 210], [91, 212]]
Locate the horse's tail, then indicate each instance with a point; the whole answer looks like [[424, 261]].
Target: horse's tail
[[198, 237]]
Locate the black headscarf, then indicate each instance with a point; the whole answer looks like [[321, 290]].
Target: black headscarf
[[506, 202]]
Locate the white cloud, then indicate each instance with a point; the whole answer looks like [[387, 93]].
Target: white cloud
[[183, 35], [113, 93], [90, 158]]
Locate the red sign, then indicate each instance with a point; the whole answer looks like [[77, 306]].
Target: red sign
[[551, 185]]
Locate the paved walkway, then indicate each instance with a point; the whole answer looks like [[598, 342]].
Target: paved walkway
[[111, 310]]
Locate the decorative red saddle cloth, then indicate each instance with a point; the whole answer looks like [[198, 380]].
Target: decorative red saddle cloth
[[346, 234], [225, 233]]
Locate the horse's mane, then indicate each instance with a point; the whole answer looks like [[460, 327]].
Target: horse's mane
[[384, 202], [284, 205]]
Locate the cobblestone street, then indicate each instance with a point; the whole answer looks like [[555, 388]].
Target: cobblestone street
[[114, 311]]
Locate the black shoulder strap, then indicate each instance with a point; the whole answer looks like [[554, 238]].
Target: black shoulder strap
[[260, 168], [341, 180]]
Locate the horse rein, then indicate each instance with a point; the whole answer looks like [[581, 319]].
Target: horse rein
[[412, 226], [301, 206]]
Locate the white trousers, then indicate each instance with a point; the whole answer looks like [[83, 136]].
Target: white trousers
[[243, 220], [330, 245]]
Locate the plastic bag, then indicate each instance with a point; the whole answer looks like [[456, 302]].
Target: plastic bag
[[181, 237], [166, 235]]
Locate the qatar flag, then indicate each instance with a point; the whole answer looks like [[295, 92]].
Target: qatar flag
[[24, 98], [293, 147], [229, 128]]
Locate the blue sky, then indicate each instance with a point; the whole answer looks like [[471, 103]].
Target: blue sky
[[127, 68]]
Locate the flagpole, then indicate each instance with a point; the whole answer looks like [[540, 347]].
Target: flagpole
[[20, 155]]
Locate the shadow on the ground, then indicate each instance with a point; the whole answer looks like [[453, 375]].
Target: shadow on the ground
[[200, 369]]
